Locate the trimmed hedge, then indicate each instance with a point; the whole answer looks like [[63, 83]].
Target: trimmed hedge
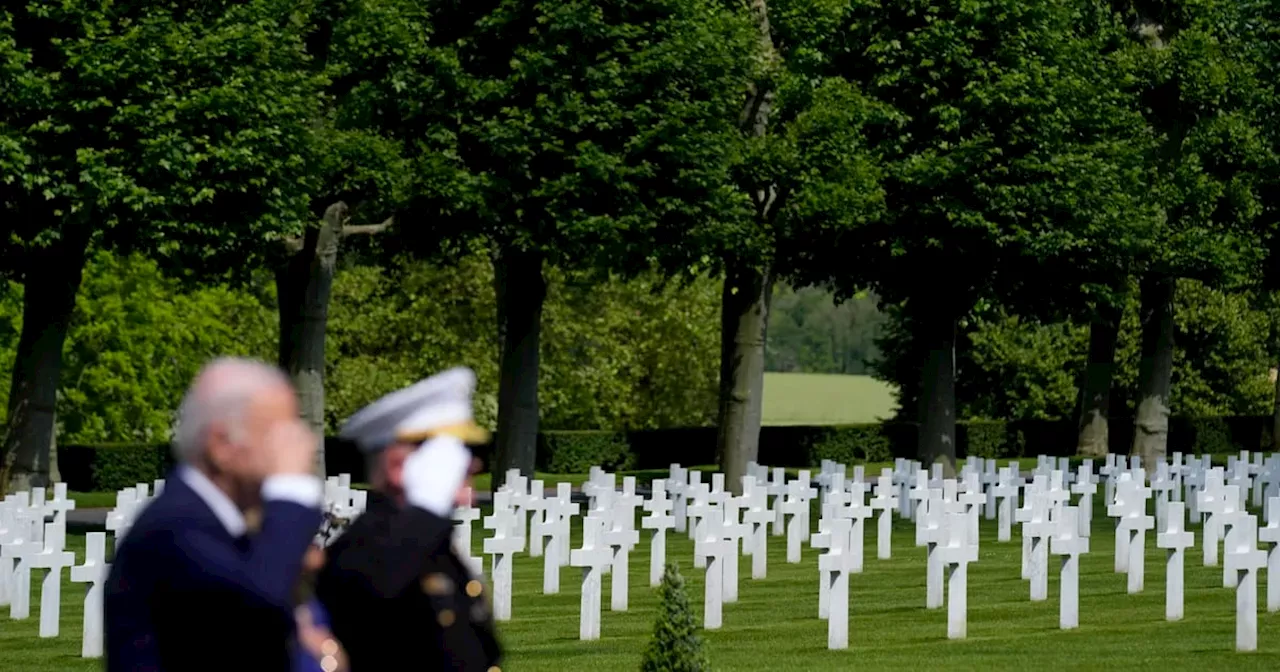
[[111, 467]]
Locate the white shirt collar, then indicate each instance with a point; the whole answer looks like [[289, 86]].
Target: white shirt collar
[[222, 507]]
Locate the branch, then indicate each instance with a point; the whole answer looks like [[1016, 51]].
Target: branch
[[368, 229]]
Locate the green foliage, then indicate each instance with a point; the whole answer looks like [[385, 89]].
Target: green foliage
[[851, 444], [180, 130], [1017, 368], [992, 439], [612, 361], [675, 646], [577, 452], [1213, 436], [810, 332]]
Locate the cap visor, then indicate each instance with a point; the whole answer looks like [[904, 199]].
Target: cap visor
[[467, 432]]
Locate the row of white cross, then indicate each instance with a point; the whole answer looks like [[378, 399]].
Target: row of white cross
[[33, 532], [33, 537]]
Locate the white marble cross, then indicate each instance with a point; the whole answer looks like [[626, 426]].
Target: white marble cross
[[1230, 513], [1241, 555], [1175, 539], [733, 530], [659, 521], [758, 516], [621, 537], [778, 491], [463, 516], [54, 559], [835, 564], [1085, 487], [716, 549], [677, 485], [990, 477], [856, 510], [1068, 543], [694, 491], [593, 557], [1209, 502], [885, 501], [535, 505], [958, 552], [1057, 496], [60, 505], [93, 572], [17, 555], [1032, 492], [518, 487], [919, 493], [698, 509], [1006, 493], [1270, 535], [1133, 522], [1038, 528], [931, 534], [503, 545], [558, 515], [121, 517], [971, 499], [797, 507], [1161, 485]]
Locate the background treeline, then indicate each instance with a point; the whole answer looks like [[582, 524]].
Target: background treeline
[[618, 354], [999, 177]]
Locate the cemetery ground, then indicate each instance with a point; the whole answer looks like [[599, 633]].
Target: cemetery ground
[[775, 625]]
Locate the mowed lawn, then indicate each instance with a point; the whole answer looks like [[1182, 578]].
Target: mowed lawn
[[774, 625], [825, 399]]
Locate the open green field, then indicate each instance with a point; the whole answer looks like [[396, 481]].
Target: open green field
[[774, 625], [825, 399]]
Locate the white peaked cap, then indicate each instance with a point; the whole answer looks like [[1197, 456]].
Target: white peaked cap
[[439, 405]]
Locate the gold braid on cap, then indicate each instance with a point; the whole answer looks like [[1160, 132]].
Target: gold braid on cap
[[467, 432]]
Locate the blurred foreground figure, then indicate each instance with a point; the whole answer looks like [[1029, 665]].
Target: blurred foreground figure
[[190, 589], [398, 596]]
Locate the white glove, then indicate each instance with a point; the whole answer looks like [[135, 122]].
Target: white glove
[[434, 473]]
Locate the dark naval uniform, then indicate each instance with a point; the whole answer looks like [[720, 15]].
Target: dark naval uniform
[[400, 598]]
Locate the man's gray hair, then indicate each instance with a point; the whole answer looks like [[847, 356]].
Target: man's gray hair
[[220, 394]]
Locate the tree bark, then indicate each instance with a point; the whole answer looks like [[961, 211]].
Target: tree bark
[[937, 415], [50, 284], [1155, 373], [304, 285], [1095, 386], [521, 291], [744, 319]]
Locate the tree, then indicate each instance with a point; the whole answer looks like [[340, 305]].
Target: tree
[[675, 646], [177, 129], [580, 133], [1195, 65], [1000, 151]]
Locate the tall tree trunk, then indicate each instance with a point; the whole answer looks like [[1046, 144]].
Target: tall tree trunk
[[744, 305], [50, 285], [521, 291], [304, 284], [937, 415], [744, 320], [1151, 425], [1095, 386]]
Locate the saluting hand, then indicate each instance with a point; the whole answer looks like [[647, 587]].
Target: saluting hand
[[291, 448]]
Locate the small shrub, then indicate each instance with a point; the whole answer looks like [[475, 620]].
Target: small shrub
[[850, 444], [675, 646], [107, 468], [1212, 435], [577, 452]]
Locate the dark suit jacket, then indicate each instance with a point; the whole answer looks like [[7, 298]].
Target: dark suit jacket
[[183, 595], [400, 599]]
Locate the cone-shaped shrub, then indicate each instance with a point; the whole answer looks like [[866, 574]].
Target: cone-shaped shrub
[[676, 646]]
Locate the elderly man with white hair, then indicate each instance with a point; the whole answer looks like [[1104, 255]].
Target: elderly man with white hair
[[191, 588]]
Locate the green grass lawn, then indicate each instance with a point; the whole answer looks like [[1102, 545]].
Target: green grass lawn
[[825, 399], [774, 625]]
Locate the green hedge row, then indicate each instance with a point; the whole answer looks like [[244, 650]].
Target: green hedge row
[[104, 468]]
